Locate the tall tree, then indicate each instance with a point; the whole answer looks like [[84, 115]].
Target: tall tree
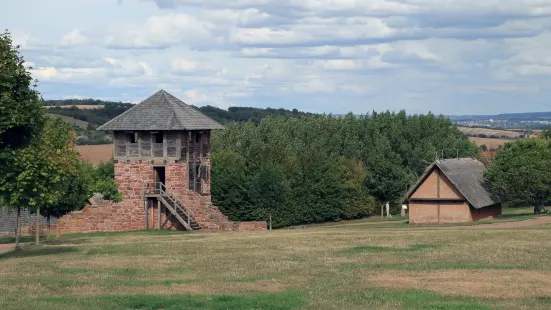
[[268, 191], [21, 118], [522, 170], [36, 178], [21, 114]]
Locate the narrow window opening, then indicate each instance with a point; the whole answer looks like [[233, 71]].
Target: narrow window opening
[[158, 137], [133, 137]]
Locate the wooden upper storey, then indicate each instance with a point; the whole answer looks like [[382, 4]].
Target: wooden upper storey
[[172, 145]]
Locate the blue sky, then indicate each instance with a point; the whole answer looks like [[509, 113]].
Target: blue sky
[[334, 56]]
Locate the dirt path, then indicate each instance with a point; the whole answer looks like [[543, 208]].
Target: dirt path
[[5, 248], [513, 224], [497, 225]]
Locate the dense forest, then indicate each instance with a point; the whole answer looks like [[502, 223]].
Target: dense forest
[[307, 170]]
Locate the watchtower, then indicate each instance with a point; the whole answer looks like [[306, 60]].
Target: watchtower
[[162, 157], [162, 167]]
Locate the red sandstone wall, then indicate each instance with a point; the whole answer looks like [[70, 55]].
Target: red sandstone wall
[[104, 217], [129, 214]]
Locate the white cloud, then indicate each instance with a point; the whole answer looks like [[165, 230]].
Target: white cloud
[[128, 67], [161, 32], [441, 55], [74, 38], [185, 66]]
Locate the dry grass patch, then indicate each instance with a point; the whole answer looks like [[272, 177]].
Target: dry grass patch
[[346, 268], [473, 283]]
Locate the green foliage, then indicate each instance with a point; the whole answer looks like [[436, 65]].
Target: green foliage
[[77, 191], [521, 171], [243, 114], [36, 174], [21, 114], [268, 189], [104, 181], [315, 169], [546, 134]]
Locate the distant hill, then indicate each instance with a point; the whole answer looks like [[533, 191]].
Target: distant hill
[[88, 114], [99, 112], [506, 116]]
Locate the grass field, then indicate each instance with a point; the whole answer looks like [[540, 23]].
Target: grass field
[[319, 267], [471, 131], [71, 120], [96, 153], [490, 143]]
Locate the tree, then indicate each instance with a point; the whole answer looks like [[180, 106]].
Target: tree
[[36, 175], [546, 134], [21, 113], [79, 187], [21, 119], [104, 181], [522, 170], [268, 190]]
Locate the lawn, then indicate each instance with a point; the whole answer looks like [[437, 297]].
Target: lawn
[[318, 267]]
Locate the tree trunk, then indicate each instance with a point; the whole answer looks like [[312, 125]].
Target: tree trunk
[[270, 221], [38, 225], [18, 229], [48, 225]]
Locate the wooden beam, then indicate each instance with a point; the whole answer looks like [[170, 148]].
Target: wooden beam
[[159, 214], [146, 209], [438, 191]]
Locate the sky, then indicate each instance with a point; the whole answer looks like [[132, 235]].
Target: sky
[[326, 56]]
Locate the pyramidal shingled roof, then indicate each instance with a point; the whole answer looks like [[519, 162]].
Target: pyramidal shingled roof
[[162, 111]]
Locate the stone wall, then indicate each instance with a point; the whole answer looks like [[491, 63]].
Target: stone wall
[[104, 217], [129, 214]]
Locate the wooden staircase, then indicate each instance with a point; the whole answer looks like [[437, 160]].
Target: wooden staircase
[[190, 210]]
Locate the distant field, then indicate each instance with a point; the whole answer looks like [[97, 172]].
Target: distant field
[[490, 143], [96, 153], [80, 106], [70, 120], [491, 132]]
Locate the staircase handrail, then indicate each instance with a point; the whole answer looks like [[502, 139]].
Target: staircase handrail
[[161, 188]]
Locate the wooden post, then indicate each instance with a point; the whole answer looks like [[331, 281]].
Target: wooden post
[[18, 229], [438, 192], [382, 211], [270, 221], [38, 225], [159, 214], [146, 215]]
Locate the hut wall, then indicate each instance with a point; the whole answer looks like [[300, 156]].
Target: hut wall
[[487, 213], [429, 188], [454, 212]]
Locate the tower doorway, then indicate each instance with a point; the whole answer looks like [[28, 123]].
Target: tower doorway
[[160, 176]]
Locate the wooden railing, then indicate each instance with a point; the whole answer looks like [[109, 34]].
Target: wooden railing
[[171, 202]]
